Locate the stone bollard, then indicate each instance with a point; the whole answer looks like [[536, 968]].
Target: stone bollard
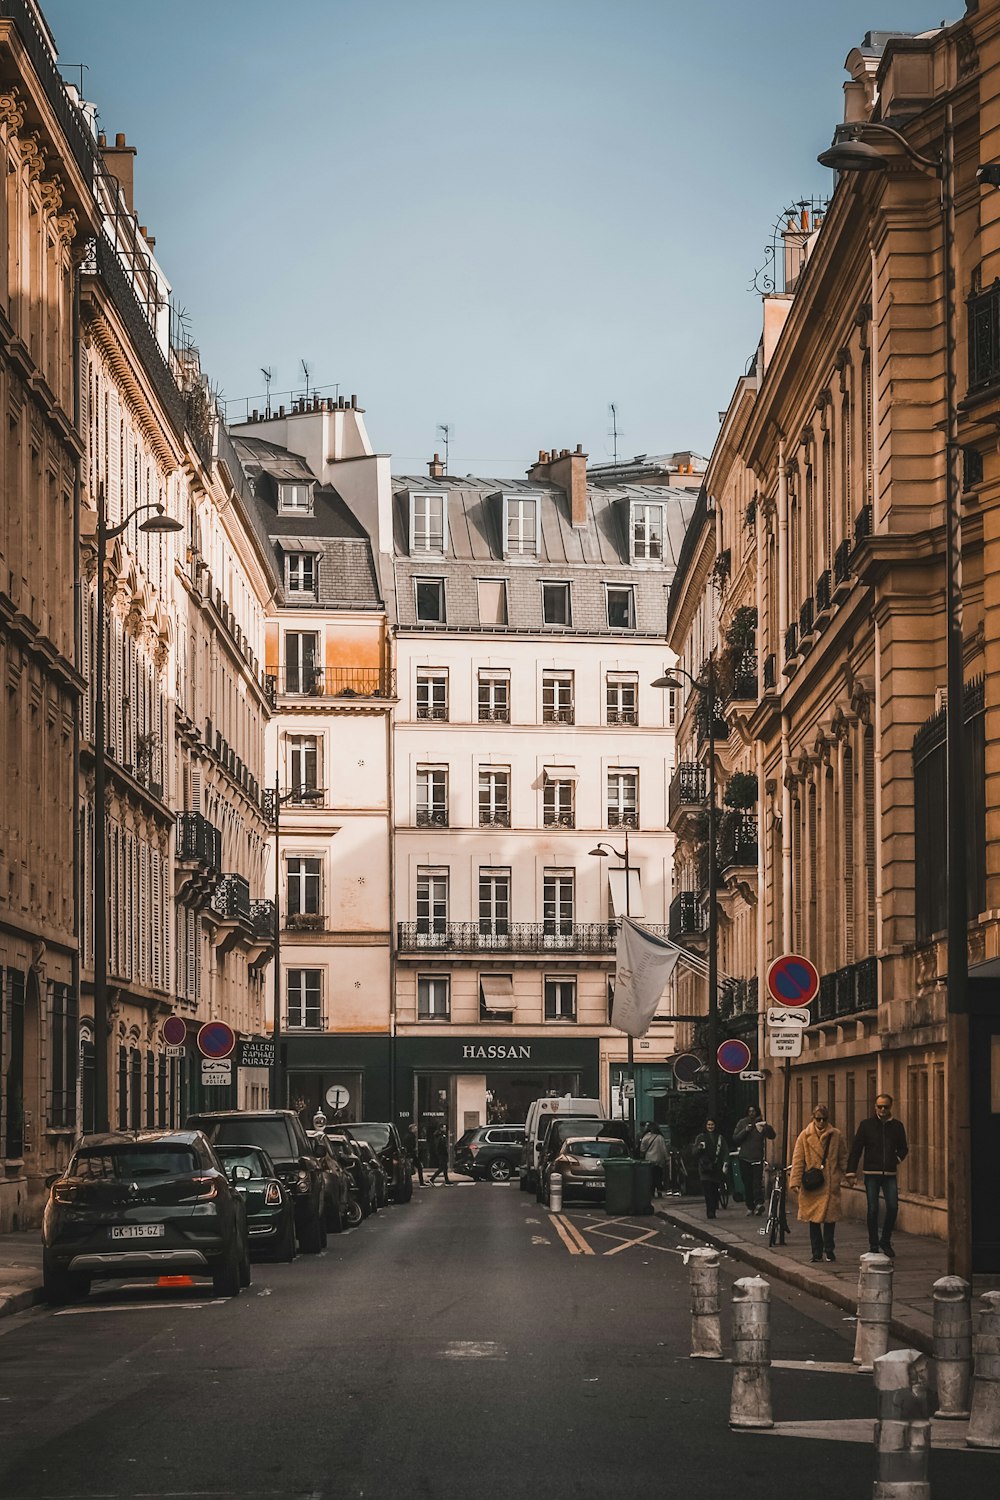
[[871, 1338], [952, 1346], [902, 1428], [984, 1418], [750, 1402], [555, 1192], [706, 1328]]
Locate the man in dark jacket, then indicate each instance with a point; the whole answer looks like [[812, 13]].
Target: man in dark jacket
[[750, 1135], [881, 1140]]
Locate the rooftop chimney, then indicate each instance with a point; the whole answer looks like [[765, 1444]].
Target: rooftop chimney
[[436, 468], [566, 471], [120, 162]]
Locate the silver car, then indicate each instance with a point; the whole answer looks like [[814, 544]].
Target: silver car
[[580, 1161]]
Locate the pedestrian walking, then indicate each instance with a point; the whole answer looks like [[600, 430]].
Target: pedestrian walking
[[438, 1144], [411, 1145], [654, 1150], [818, 1163], [881, 1143], [711, 1150], [750, 1137]]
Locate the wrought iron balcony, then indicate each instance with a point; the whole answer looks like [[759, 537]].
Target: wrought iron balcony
[[842, 563], [495, 818], [744, 679], [622, 716], [863, 524], [143, 340], [493, 715], [565, 714], [791, 641], [337, 682], [806, 618], [509, 937], [685, 916], [737, 839], [231, 898], [770, 673], [432, 817], [262, 917], [437, 711], [305, 921], [198, 841], [847, 991], [688, 788], [823, 592], [70, 117], [984, 337], [617, 818], [551, 819]]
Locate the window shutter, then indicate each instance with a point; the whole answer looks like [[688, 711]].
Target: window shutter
[[145, 913], [870, 869], [849, 856], [867, 426], [158, 926], [192, 954]]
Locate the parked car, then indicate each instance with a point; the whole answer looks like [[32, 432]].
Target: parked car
[[380, 1176], [559, 1128], [581, 1161], [384, 1139], [268, 1203], [538, 1110], [279, 1132], [363, 1191], [141, 1203], [491, 1151], [336, 1182]]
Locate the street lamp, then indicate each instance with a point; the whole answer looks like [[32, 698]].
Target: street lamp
[[279, 798], [158, 524], [707, 691], [601, 852], [853, 151]]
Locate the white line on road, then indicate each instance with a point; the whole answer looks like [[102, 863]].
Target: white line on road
[[116, 1307], [469, 1349]]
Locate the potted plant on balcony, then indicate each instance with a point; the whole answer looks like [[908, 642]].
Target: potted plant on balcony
[[305, 921], [741, 790]]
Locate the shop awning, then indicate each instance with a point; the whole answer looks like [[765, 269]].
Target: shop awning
[[560, 773], [498, 987]]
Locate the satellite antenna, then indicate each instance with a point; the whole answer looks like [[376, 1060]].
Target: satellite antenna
[[444, 428], [305, 371], [613, 409], [268, 377]]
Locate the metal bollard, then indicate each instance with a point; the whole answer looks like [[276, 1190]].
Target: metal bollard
[[984, 1418], [871, 1338], [952, 1346], [750, 1402], [706, 1328], [555, 1192], [902, 1428]]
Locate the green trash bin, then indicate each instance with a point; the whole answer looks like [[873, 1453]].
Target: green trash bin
[[642, 1187], [619, 1184]]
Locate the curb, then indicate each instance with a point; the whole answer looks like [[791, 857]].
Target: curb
[[15, 1302], [798, 1277]]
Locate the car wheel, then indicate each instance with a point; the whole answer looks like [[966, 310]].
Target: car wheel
[[500, 1170], [226, 1278], [61, 1287], [311, 1236], [246, 1274], [353, 1213]]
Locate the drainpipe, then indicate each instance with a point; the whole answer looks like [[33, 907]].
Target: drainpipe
[[78, 872]]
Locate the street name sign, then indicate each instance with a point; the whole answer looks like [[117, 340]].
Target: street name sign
[[781, 1016], [792, 980], [784, 1043]]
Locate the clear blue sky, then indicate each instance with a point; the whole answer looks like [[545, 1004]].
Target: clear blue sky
[[503, 216]]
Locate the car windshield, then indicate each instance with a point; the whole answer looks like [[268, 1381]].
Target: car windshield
[[606, 1147], [377, 1136], [125, 1163], [244, 1156], [270, 1135]]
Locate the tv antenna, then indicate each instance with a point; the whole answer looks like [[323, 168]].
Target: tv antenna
[[305, 371], [444, 428], [613, 409], [268, 377]]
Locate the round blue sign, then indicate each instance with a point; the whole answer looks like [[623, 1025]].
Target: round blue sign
[[792, 980], [734, 1055], [216, 1039]]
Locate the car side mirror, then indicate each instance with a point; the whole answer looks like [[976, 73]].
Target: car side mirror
[[240, 1174]]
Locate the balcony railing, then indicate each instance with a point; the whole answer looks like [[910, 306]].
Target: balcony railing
[[770, 673], [497, 818], [305, 921], [338, 682], [552, 819], [737, 839], [617, 818], [432, 817], [561, 715], [863, 524], [791, 641], [806, 618], [984, 337], [231, 898], [622, 716], [198, 841], [744, 679], [79, 139], [141, 336], [688, 787], [512, 937], [305, 1021], [847, 991], [262, 917], [842, 563], [823, 592], [686, 916]]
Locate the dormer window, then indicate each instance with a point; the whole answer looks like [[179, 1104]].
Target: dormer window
[[520, 525], [300, 573], [295, 499], [646, 532], [428, 523]]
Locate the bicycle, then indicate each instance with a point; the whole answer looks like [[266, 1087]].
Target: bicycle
[[775, 1225]]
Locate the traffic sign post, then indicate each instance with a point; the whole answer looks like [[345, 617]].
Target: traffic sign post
[[174, 1031], [733, 1055], [216, 1039], [792, 980], [784, 1043], [786, 1018]]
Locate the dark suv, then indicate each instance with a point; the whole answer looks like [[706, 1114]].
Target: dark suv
[[384, 1141], [279, 1132], [490, 1151]]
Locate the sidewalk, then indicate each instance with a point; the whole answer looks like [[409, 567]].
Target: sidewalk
[[20, 1271], [919, 1262]]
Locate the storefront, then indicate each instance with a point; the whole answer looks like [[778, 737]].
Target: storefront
[[348, 1077]]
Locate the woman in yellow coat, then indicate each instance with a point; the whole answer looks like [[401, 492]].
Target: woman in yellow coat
[[819, 1147]]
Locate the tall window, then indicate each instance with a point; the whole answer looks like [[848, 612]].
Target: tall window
[[494, 902], [432, 694], [295, 499], [305, 878], [63, 1035], [303, 764], [558, 903], [302, 669], [557, 800], [555, 604], [494, 696], [621, 606], [427, 523], [560, 999], [557, 698], [300, 573], [623, 799], [647, 532], [304, 993], [521, 527], [432, 797], [494, 797], [492, 601], [432, 901], [430, 599], [622, 693], [433, 997]]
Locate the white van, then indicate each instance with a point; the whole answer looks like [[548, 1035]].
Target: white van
[[540, 1110]]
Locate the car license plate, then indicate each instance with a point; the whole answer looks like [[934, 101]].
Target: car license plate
[[137, 1231]]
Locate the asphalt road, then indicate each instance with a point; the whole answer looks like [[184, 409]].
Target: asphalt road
[[455, 1347]]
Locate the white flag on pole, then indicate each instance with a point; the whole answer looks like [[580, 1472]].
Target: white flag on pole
[[644, 965]]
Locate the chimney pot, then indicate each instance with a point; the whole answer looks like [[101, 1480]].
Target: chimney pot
[[256, 415], [281, 411], [564, 453], [354, 403], [579, 447], [120, 140], [102, 139]]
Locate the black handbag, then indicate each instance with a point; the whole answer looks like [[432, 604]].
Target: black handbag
[[812, 1177]]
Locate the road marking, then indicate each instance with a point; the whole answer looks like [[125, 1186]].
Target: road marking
[[116, 1307], [540, 1239], [570, 1236], [627, 1244], [469, 1349]]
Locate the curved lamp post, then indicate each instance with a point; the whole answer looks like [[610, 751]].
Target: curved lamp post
[[159, 524], [707, 690], [853, 151], [601, 852]]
